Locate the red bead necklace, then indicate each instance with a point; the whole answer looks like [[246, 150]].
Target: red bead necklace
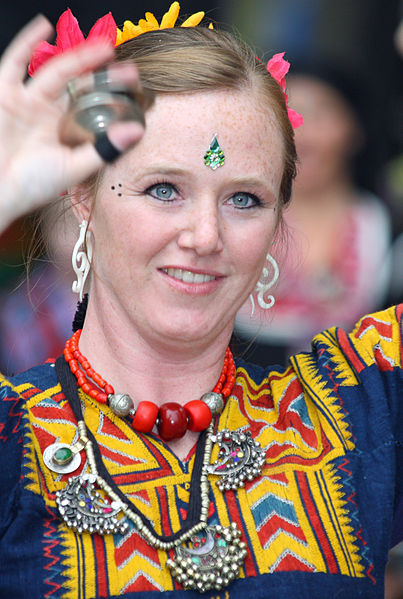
[[172, 419]]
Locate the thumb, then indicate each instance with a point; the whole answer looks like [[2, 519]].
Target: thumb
[[125, 134]]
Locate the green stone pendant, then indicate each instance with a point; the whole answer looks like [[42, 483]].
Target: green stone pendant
[[214, 157], [62, 458]]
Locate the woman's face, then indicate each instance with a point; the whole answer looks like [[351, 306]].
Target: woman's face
[[178, 246]]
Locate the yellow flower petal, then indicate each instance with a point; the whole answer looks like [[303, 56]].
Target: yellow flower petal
[[193, 20], [128, 26], [150, 23], [211, 26], [152, 20], [146, 25], [128, 32], [169, 19]]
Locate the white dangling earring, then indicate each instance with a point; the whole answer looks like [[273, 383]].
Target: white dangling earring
[[81, 259], [263, 285]]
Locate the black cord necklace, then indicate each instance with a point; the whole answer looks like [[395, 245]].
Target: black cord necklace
[[206, 557], [69, 387]]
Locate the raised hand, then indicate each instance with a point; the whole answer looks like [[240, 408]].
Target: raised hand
[[35, 166]]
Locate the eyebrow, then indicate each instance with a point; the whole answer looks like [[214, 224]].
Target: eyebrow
[[164, 169], [254, 180]]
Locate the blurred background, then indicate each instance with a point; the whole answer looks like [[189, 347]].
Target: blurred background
[[344, 229]]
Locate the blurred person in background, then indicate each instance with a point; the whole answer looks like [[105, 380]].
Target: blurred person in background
[[36, 307], [336, 266]]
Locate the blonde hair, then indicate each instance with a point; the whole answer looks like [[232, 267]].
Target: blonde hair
[[180, 60]]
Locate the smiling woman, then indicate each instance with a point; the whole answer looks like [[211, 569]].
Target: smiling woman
[[212, 229], [146, 459]]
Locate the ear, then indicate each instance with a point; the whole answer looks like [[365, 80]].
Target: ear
[[81, 203]]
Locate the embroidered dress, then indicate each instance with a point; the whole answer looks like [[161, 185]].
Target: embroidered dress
[[317, 523]]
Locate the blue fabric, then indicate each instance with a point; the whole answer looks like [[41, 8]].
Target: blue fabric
[[32, 542]]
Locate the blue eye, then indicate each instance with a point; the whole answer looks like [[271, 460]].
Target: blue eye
[[245, 200], [162, 191]]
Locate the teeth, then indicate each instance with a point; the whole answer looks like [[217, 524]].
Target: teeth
[[188, 277]]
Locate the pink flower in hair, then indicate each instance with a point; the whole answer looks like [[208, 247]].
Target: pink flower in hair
[[70, 35], [278, 69]]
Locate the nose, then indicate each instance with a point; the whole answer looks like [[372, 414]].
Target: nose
[[201, 229]]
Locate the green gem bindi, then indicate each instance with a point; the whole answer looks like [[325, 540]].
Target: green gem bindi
[[214, 157]]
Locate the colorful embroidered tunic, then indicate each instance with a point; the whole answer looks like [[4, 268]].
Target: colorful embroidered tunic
[[317, 523]]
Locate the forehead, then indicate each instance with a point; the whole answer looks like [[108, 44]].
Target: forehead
[[179, 129]]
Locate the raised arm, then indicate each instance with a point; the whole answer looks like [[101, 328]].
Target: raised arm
[[35, 166]]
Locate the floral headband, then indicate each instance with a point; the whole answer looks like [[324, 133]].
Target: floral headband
[[70, 35]]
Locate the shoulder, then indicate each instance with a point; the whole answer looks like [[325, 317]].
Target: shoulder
[[370, 208], [20, 396], [376, 340], [346, 379], [17, 392], [42, 377]]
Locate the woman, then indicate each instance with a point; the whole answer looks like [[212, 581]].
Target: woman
[[264, 486]]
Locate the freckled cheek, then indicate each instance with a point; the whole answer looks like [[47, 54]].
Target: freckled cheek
[[250, 254], [112, 243]]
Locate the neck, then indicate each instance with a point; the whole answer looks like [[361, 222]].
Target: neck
[[157, 370]]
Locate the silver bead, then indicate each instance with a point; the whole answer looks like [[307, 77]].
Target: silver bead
[[214, 401], [120, 404]]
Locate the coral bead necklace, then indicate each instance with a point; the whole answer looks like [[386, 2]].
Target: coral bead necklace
[[172, 419]]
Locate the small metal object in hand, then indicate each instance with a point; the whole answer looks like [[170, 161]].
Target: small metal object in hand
[[98, 99]]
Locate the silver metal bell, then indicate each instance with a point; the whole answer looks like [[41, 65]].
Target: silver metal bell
[[120, 403], [214, 401]]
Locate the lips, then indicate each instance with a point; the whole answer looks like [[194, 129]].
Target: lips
[[187, 276]]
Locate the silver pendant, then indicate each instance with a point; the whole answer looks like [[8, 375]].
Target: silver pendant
[[62, 458], [240, 458], [214, 401], [121, 404], [84, 509], [212, 560]]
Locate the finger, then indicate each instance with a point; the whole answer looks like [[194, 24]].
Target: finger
[[111, 78], [13, 64], [51, 79], [125, 134], [85, 159], [119, 137], [123, 72]]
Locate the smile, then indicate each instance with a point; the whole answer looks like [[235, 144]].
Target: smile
[[187, 276]]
